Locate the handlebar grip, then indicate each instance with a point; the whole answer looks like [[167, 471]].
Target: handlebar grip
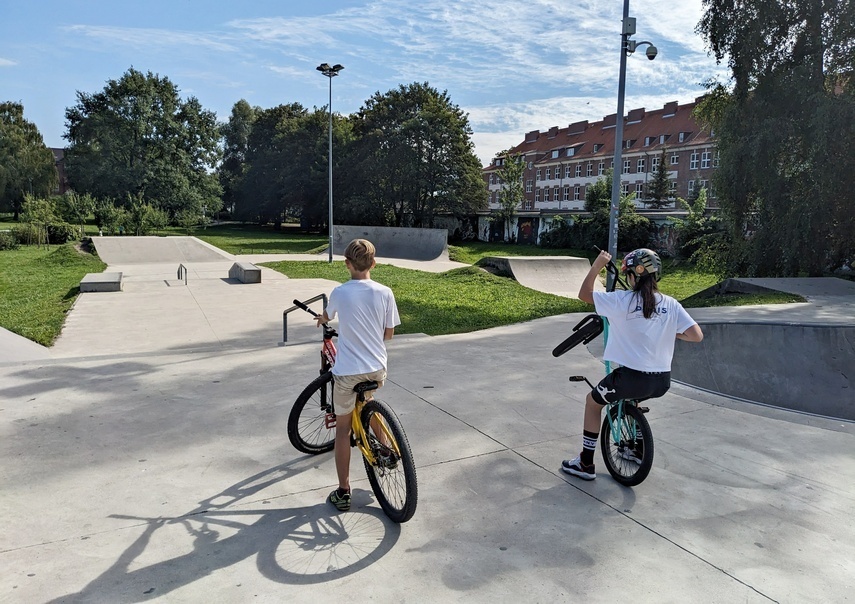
[[299, 304]]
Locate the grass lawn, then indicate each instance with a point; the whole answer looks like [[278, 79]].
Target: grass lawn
[[254, 239], [39, 285], [471, 252], [457, 301]]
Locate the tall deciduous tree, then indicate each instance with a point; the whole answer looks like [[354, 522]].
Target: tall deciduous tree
[[235, 135], [511, 195], [26, 165], [785, 133], [137, 137], [415, 147]]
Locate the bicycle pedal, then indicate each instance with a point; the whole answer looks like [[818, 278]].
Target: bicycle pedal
[[329, 421]]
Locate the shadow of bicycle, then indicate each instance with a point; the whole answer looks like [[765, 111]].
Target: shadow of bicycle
[[300, 546]]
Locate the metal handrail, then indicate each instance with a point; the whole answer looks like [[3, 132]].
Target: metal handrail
[[182, 273], [285, 315]]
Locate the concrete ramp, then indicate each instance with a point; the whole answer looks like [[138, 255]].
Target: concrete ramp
[[559, 275], [395, 242], [806, 368], [156, 250]]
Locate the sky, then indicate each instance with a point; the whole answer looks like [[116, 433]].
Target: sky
[[512, 65]]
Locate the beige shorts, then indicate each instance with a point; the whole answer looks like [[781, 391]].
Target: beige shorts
[[344, 398]]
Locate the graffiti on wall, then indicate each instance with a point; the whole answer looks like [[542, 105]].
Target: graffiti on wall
[[664, 238]]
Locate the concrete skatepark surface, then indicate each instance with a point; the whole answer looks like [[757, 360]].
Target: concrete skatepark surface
[[395, 242], [155, 467]]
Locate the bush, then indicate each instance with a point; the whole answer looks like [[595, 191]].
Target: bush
[[28, 233], [63, 232], [8, 241]]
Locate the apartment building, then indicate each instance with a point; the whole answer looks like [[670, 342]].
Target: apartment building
[[561, 163]]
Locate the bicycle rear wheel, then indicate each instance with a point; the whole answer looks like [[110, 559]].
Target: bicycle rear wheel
[[392, 476], [628, 452], [306, 428]]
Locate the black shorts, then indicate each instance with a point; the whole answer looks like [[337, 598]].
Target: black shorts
[[629, 384]]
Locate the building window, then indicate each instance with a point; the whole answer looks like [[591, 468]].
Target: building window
[[654, 163], [571, 151], [693, 161], [691, 188], [625, 189], [578, 170], [647, 140], [704, 185], [626, 166], [566, 192], [576, 193], [567, 169], [601, 168], [537, 195], [492, 179], [530, 165], [672, 187], [640, 166], [556, 193], [682, 137], [545, 193], [675, 159], [590, 169], [663, 138], [639, 190], [705, 159], [528, 186], [715, 160], [555, 153], [597, 147], [548, 173], [537, 176]]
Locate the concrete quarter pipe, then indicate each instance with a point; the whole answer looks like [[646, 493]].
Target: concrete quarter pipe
[[559, 275]]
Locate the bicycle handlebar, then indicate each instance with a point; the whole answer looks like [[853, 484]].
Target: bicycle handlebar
[[612, 268], [299, 304]]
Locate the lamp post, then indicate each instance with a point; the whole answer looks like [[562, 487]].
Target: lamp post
[[330, 72], [627, 47]]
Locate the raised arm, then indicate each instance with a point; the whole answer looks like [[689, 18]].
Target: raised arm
[[586, 291]]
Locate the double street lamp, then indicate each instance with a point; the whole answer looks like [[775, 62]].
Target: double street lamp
[[330, 72], [627, 47]]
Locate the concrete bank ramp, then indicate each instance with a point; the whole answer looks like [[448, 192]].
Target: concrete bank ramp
[[805, 367], [559, 275], [395, 242], [155, 250]]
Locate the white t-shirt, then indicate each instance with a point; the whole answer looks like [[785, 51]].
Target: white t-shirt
[[639, 343], [365, 309]]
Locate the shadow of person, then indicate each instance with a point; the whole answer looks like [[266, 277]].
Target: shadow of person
[[302, 545]]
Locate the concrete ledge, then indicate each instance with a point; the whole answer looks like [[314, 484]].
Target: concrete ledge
[[245, 272], [101, 282]]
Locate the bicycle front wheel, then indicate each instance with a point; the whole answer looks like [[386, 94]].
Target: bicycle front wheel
[[627, 444], [393, 473], [306, 428]]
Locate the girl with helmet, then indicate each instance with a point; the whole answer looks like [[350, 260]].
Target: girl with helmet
[[643, 326]]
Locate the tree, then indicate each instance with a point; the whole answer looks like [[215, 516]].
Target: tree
[[785, 132], [511, 195], [235, 135], [137, 137], [659, 191], [76, 208], [27, 166], [415, 151]]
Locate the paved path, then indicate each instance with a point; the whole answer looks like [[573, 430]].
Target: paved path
[[156, 468]]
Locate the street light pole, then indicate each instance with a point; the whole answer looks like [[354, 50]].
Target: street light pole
[[330, 72], [627, 47]]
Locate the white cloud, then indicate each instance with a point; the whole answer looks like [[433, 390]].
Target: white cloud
[[7, 62], [148, 39]]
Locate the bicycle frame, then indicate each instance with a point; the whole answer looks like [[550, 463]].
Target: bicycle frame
[[360, 436]]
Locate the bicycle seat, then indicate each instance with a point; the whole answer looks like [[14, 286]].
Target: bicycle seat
[[365, 387]]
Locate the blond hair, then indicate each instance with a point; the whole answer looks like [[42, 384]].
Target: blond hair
[[360, 252]]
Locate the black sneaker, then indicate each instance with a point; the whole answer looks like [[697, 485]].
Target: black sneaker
[[340, 499], [577, 468]]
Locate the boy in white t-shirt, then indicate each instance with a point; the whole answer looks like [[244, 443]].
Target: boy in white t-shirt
[[367, 318], [643, 326]]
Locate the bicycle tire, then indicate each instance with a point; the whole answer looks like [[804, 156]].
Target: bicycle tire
[[396, 488], [306, 428], [627, 472]]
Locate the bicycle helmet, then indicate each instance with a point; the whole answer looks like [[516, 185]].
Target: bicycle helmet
[[642, 261]]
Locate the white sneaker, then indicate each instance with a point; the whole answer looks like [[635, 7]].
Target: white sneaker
[[630, 455], [577, 468]]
